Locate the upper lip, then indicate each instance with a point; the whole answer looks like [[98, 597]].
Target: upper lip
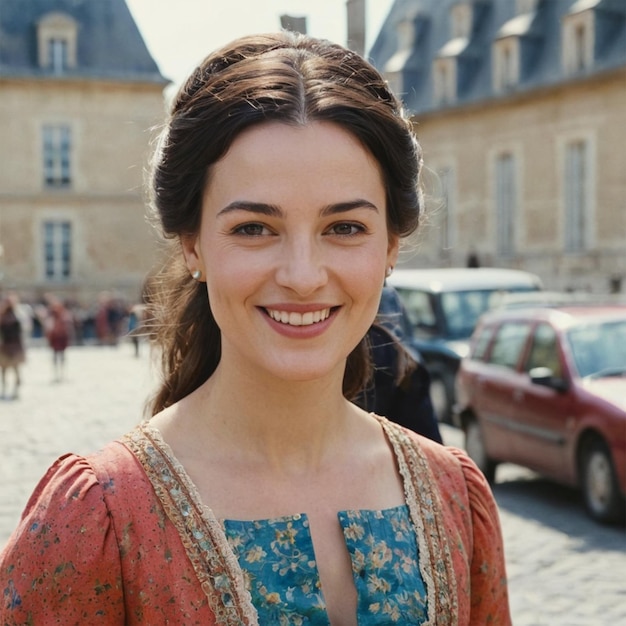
[[294, 307]]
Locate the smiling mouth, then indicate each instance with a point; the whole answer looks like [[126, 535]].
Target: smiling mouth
[[299, 319]]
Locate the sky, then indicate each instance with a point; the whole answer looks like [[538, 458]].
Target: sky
[[180, 33]]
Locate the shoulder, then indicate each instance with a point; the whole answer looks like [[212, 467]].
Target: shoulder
[[461, 487], [75, 484]]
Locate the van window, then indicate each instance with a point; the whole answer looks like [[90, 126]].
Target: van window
[[462, 309], [419, 308]]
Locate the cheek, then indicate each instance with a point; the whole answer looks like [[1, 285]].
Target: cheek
[[365, 274], [231, 278]]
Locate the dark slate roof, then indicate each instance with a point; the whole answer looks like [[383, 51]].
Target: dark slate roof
[[540, 38], [109, 44]]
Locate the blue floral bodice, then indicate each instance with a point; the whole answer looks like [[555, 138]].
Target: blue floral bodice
[[278, 561]]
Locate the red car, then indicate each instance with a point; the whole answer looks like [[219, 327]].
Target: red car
[[546, 389]]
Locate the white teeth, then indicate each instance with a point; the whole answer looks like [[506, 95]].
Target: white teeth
[[299, 319]]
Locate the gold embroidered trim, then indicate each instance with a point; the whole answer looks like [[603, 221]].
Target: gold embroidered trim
[[216, 566], [435, 560]]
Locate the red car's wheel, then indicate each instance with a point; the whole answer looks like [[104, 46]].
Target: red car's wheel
[[600, 488]]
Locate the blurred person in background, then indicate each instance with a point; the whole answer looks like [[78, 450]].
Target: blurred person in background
[[136, 325], [59, 329], [12, 351]]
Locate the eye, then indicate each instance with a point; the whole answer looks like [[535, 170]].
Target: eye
[[346, 229], [251, 229]]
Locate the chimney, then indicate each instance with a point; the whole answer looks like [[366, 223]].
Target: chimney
[[294, 24], [356, 25]]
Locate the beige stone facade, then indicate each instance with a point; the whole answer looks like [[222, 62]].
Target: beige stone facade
[[80, 100], [461, 150], [520, 106], [110, 245]]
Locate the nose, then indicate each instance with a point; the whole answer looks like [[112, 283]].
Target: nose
[[302, 266]]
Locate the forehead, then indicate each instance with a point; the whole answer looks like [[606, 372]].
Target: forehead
[[311, 158]]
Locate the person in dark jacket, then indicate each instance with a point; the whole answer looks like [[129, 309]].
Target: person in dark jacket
[[400, 389]]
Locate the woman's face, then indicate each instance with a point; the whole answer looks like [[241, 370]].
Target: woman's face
[[293, 245]]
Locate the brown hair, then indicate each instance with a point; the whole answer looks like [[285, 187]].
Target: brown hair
[[285, 77]]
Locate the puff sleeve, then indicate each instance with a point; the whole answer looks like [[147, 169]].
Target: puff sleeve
[[62, 563], [489, 604]]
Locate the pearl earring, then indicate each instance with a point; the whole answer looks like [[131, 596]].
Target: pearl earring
[[196, 274], [389, 271]]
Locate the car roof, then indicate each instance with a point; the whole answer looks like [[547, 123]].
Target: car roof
[[463, 279], [559, 316]]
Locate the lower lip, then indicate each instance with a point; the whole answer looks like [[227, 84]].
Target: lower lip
[[300, 332]]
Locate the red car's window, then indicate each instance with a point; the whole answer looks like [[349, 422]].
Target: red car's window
[[599, 349], [544, 351], [481, 343], [509, 344]]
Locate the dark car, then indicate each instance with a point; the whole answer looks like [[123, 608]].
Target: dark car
[[443, 306], [546, 389]]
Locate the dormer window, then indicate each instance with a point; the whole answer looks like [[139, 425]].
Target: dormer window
[[56, 38], [525, 6], [461, 20], [506, 64], [511, 50], [57, 55], [446, 70], [394, 68], [445, 79], [578, 39]]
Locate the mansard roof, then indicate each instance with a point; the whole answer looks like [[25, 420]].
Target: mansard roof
[[108, 44], [539, 31]]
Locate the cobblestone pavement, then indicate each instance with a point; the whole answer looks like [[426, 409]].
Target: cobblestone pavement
[[564, 570]]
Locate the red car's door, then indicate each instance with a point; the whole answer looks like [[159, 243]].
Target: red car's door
[[543, 411], [497, 382]]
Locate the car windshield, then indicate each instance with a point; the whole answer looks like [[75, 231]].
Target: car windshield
[[463, 308], [599, 349]]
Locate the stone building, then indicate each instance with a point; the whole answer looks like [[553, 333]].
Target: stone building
[[520, 106], [79, 97]]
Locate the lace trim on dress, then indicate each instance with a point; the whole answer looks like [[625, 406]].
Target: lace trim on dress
[[426, 514], [216, 566]]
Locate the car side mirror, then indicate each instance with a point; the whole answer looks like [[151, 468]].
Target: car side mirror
[[545, 376]]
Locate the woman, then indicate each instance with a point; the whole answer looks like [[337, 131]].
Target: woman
[[12, 352], [258, 493], [58, 326]]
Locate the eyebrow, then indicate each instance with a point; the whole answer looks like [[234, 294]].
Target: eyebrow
[[272, 210]]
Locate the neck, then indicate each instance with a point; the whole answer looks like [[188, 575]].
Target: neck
[[290, 426]]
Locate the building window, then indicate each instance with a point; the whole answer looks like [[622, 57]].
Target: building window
[[505, 201], [447, 235], [57, 237], [580, 48], [578, 41], [576, 187], [57, 35], [525, 6], [57, 55], [57, 147], [505, 64], [444, 76], [396, 65], [461, 16]]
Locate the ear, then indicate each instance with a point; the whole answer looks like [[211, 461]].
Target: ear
[[191, 251], [393, 250]]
